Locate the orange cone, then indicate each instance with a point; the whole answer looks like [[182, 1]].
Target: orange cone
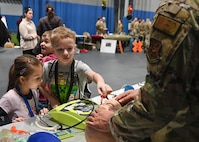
[[137, 46]]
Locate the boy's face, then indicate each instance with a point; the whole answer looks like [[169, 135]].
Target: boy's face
[[46, 47], [65, 50]]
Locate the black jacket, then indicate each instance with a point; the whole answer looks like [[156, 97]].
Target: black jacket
[[4, 34]]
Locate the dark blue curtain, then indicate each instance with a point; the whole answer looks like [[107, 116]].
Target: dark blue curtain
[[78, 17]]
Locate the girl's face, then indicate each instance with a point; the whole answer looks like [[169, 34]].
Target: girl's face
[[46, 47], [33, 81], [65, 50], [29, 14]]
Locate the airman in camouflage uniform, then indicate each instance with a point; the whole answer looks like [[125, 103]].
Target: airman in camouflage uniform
[[132, 26], [101, 26], [166, 108], [147, 28], [136, 29], [120, 27], [141, 30]]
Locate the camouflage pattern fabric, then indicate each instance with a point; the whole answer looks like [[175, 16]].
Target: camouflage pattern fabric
[[169, 108], [101, 27], [147, 28]]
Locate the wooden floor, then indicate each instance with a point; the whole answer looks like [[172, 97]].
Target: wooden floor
[[117, 69]]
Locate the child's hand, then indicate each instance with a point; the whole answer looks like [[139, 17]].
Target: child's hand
[[44, 111], [104, 90], [39, 56], [19, 119]]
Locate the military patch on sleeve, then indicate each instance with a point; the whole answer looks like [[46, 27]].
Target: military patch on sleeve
[[153, 51], [167, 25]]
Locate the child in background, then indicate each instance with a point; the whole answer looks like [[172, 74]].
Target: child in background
[[46, 48], [66, 77], [47, 54], [21, 100]]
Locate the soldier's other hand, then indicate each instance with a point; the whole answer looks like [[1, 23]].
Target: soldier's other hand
[[99, 119]]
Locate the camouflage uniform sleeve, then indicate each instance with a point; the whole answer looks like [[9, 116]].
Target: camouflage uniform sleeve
[[172, 83]]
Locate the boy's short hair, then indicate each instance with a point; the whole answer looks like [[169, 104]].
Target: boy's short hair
[[61, 33]]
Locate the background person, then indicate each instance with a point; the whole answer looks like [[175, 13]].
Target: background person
[[17, 23], [47, 51], [4, 34], [165, 109], [47, 23], [97, 25], [101, 26], [120, 27], [47, 54], [28, 32]]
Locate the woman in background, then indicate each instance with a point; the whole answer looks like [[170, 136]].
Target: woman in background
[[48, 22], [28, 32]]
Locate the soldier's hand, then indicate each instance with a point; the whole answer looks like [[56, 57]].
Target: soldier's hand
[[128, 96], [99, 119]]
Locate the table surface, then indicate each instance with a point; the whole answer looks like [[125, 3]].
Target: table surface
[[80, 36], [30, 125]]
